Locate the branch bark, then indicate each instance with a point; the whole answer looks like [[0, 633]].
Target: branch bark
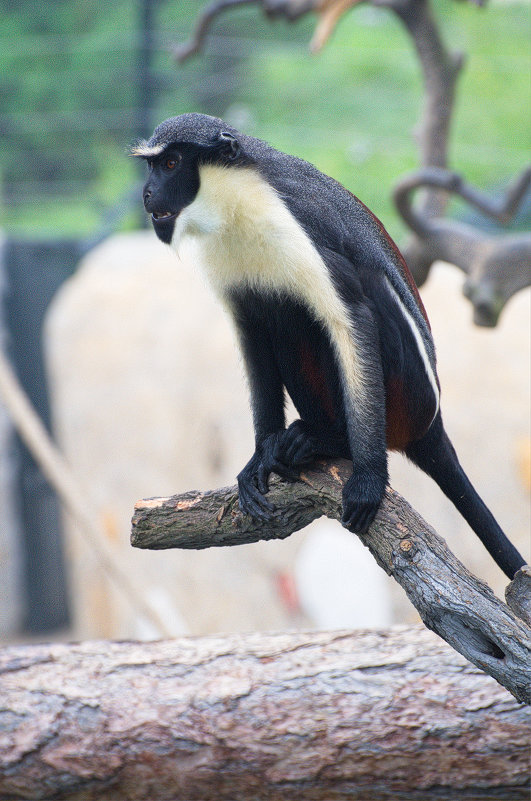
[[450, 600], [326, 716]]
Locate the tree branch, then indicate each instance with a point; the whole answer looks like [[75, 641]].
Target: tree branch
[[329, 10], [502, 209], [390, 715], [182, 52], [497, 265], [450, 600], [329, 13]]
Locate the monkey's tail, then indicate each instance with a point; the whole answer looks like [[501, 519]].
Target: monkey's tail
[[435, 455]]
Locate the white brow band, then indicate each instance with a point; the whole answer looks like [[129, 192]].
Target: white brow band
[[146, 151]]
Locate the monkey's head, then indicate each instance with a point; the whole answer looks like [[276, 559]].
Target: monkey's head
[[178, 147]]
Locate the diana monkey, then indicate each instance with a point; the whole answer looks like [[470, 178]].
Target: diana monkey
[[325, 309]]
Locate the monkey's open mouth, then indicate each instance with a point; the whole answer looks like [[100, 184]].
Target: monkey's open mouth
[[162, 216]]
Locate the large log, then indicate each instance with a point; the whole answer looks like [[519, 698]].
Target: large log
[[370, 715]]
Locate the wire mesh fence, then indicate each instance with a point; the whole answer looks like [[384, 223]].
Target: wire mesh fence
[[79, 86]]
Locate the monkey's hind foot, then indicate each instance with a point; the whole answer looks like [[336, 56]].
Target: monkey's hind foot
[[298, 445], [253, 481]]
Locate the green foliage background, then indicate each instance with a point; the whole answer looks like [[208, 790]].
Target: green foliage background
[[69, 100]]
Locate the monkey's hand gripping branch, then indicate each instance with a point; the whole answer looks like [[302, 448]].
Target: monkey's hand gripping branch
[[450, 600]]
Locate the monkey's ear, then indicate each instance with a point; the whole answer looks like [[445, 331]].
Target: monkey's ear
[[229, 145]]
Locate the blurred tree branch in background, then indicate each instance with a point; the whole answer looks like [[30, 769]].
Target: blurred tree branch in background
[[497, 265], [504, 265]]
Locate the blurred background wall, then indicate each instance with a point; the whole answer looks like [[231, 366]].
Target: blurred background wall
[[130, 361]]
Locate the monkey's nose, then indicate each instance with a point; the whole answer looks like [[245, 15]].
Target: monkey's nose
[[147, 196]]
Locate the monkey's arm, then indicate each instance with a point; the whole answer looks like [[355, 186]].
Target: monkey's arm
[[357, 431], [366, 426], [363, 393]]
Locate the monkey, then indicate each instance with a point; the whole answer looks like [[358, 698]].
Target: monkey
[[325, 310]]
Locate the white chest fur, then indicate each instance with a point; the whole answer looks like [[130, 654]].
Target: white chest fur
[[246, 236]]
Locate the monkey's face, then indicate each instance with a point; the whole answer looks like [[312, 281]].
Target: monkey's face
[[172, 184], [173, 180]]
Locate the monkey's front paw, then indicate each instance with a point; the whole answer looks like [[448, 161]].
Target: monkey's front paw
[[362, 496]]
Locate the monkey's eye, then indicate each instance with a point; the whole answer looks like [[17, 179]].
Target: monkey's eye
[[171, 164]]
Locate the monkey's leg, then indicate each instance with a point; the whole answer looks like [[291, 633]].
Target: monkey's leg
[[253, 481], [267, 401]]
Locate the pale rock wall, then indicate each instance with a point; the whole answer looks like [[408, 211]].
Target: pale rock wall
[[148, 399]]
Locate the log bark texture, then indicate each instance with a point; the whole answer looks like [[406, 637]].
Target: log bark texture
[[325, 716], [450, 600]]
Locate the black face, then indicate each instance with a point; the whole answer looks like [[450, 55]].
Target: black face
[[173, 180], [172, 184]]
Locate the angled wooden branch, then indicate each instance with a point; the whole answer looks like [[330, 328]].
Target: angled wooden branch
[[461, 609], [329, 11], [54, 467], [182, 52]]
